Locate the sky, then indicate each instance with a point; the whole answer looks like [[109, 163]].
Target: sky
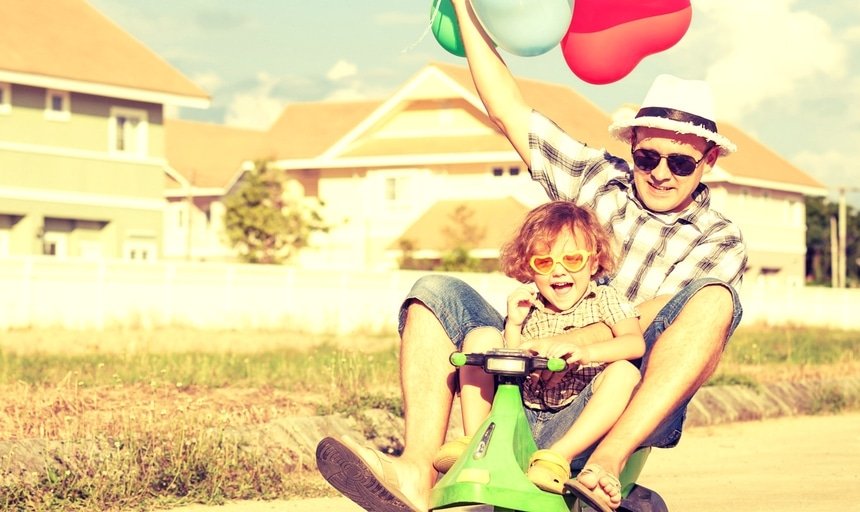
[[787, 72]]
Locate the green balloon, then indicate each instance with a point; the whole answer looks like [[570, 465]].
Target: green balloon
[[445, 28]]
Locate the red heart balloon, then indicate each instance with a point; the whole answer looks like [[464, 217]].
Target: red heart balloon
[[608, 38]]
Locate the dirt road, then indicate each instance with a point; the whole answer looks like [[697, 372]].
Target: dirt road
[[799, 463]]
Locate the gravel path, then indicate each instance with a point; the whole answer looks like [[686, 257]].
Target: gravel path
[[804, 463]]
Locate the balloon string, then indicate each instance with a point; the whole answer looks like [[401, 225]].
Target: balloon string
[[426, 29]]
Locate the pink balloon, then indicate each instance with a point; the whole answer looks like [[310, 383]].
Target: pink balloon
[[608, 38]]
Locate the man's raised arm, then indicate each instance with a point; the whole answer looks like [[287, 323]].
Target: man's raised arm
[[495, 83]]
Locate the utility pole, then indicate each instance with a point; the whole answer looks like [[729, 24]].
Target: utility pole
[[834, 253], [843, 230], [840, 266]]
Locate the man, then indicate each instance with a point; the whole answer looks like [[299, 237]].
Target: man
[[678, 261]]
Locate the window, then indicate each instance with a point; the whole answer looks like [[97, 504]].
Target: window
[[55, 244], [498, 171], [55, 236], [139, 250], [128, 131], [391, 189], [57, 105], [5, 98], [514, 170]]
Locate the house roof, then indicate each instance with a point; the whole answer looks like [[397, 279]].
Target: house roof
[[496, 218], [69, 45], [342, 134], [572, 111], [209, 156], [323, 133], [306, 130], [755, 163]]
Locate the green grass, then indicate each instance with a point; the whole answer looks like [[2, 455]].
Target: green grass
[[755, 356], [148, 430], [300, 371], [792, 346], [160, 428]]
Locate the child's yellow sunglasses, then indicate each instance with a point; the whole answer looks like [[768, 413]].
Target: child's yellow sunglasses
[[571, 261]]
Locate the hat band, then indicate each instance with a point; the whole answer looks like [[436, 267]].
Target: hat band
[[678, 115]]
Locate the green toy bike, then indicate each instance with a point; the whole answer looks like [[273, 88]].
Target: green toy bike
[[490, 474]]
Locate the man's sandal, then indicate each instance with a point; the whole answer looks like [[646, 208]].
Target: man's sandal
[[548, 470], [370, 482], [595, 498], [450, 452]]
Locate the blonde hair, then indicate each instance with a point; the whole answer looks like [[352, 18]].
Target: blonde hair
[[542, 226]]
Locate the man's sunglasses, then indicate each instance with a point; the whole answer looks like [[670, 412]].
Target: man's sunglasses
[[680, 165], [571, 261]]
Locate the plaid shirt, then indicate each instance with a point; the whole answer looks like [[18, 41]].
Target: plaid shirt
[[660, 253], [600, 303]]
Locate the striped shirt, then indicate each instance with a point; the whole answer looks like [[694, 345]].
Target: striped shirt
[[658, 253], [600, 303]]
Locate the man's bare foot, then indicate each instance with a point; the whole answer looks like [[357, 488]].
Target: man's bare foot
[[415, 478]]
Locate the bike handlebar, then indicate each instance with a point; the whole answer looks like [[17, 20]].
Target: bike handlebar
[[507, 361]]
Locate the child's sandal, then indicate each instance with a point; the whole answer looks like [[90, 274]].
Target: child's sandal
[[549, 471], [449, 453]]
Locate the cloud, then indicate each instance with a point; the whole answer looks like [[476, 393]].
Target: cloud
[[255, 108], [764, 50], [341, 70], [346, 84], [827, 167], [210, 81]]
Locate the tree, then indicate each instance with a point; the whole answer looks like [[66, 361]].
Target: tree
[[266, 219], [819, 211], [408, 260], [463, 235]]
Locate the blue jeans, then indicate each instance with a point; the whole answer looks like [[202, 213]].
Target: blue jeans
[[460, 309]]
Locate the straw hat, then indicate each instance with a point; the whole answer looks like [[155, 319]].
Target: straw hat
[[678, 105]]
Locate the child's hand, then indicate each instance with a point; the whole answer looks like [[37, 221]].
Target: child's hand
[[520, 302], [576, 356], [573, 354]]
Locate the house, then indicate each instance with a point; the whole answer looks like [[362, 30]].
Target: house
[[82, 141], [764, 194], [391, 170], [205, 161], [431, 141], [449, 223]]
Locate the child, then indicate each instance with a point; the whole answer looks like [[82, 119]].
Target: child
[[562, 249]]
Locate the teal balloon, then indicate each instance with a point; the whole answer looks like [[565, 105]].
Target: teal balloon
[[445, 27], [525, 27]]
